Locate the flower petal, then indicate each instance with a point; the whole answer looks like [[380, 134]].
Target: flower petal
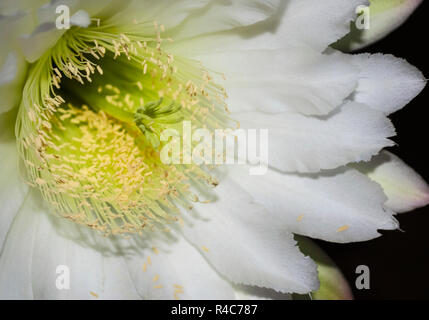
[[221, 15], [166, 12], [12, 189], [386, 83], [12, 64], [17, 253], [100, 268], [94, 8], [405, 189], [33, 251], [46, 34], [294, 79], [95, 271], [42, 39], [8, 7], [308, 144], [11, 78], [340, 206], [245, 244], [176, 271], [317, 23], [308, 23]]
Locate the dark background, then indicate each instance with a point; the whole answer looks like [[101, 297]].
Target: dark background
[[399, 261]]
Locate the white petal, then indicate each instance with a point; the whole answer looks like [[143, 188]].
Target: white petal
[[114, 11], [12, 64], [81, 19], [246, 245], [94, 8], [386, 83], [12, 75], [17, 253], [166, 12], [100, 268], [96, 270], [46, 34], [9, 69], [308, 144], [318, 23], [8, 7], [42, 39], [405, 189], [294, 79], [33, 251], [309, 23], [221, 15], [176, 270], [12, 188], [340, 206], [140, 267]]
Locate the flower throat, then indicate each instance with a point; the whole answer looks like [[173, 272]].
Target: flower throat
[[90, 120]]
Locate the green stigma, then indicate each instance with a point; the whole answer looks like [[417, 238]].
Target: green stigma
[[152, 118], [93, 109]]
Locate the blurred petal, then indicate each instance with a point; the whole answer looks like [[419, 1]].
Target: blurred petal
[[166, 12], [12, 63], [11, 79], [222, 15], [45, 34], [17, 253], [12, 188], [42, 39], [406, 190], [311, 24], [8, 7]]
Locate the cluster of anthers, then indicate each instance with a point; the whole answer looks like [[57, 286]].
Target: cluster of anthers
[[88, 128]]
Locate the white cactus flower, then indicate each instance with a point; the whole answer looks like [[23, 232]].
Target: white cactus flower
[[81, 120]]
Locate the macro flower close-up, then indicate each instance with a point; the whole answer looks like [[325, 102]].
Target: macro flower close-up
[[191, 149]]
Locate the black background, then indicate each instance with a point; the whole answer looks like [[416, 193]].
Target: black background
[[399, 261]]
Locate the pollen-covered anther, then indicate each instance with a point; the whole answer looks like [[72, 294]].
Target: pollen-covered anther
[[100, 175], [90, 120]]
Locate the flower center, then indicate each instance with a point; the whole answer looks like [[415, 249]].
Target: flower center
[[89, 126]]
